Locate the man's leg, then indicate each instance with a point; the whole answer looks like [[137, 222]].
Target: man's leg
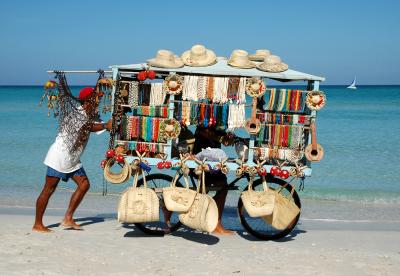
[[83, 186], [42, 201], [220, 198]]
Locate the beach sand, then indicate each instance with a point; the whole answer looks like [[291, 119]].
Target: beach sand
[[316, 247]]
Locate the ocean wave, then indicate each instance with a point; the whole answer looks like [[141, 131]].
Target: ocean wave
[[356, 197]]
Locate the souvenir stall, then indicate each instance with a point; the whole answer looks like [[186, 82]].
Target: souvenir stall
[[159, 100], [152, 103]]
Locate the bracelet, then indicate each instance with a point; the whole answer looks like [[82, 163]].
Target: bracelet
[[103, 125]]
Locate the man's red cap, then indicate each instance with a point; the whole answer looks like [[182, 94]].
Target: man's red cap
[[85, 93]]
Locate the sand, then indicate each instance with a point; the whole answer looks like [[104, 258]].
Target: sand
[[315, 247]]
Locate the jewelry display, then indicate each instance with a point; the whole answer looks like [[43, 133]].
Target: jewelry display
[[157, 94], [286, 100]]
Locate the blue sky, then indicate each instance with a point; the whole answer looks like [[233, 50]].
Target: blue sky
[[336, 39]]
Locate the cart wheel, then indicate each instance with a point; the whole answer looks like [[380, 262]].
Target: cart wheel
[[258, 227], [161, 227]]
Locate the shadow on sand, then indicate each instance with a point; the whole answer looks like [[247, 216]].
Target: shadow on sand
[[88, 220], [287, 238], [196, 236], [183, 232]]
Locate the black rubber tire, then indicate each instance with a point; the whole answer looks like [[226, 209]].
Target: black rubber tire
[[159, 227], [267, 232]]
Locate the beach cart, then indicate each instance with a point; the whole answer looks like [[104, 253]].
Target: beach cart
[[273, 126], [151, 104]]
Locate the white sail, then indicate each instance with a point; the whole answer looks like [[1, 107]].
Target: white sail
[[353, 84]]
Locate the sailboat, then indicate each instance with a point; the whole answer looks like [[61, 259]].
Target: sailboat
[[353, 84]]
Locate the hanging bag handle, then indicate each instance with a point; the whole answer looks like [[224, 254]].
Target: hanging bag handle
[[202, 178], [141, 171], [291, 192]]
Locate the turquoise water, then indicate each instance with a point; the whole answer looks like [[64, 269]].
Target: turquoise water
[[359, 131]]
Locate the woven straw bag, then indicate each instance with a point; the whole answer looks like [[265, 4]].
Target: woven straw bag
[[138, 204], [285, 211], [203, 214], [178, 199], [258, 203]]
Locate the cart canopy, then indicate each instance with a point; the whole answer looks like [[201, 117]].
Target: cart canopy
[[221, 68]]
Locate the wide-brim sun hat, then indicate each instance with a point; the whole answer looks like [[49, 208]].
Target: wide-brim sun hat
[[241, 62], [238, 53], [239, 58], [165, 59], [260, 55], [199, 56], [272, 64]]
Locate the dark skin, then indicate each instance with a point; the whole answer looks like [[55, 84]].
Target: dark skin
[[51, 183]]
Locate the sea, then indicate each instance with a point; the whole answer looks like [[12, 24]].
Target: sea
[[358, 129]]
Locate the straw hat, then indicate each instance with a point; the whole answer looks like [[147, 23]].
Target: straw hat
[[315, 100], [165, 59], [239, 58], [199, 56], [272, 64], [238, 53], [260, 55]]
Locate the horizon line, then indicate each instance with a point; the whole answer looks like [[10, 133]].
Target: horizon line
[[321, 84]]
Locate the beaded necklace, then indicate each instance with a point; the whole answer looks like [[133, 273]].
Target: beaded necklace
[[271, 99], [202, 87], [157, 95], [133, 93], [282, 98], [193, 113], [242, 90], [210, 88], [225, 114], [288, 99], [224, 89], [233, 88], [143, 146], [217, 90], [189, 91], [211, 115], [206, 114]]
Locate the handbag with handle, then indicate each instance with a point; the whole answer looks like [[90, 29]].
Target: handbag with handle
[[138, 204], [178, 199], [258, 203], [203, 214], [285, 210]]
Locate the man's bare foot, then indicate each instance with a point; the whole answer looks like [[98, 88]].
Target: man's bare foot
[[220, 230], [41, 229], [71, 224]]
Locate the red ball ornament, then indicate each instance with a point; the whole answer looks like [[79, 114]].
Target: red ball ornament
[[275, 171], [141, 76], [120, 158], [167, 164], [103, 163], [284, 174], [110, 153], [151, 75], [160, 165]]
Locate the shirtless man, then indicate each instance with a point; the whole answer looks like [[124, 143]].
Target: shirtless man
[[63, 160]]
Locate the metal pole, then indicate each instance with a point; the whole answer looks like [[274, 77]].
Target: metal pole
[[77, 71]]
